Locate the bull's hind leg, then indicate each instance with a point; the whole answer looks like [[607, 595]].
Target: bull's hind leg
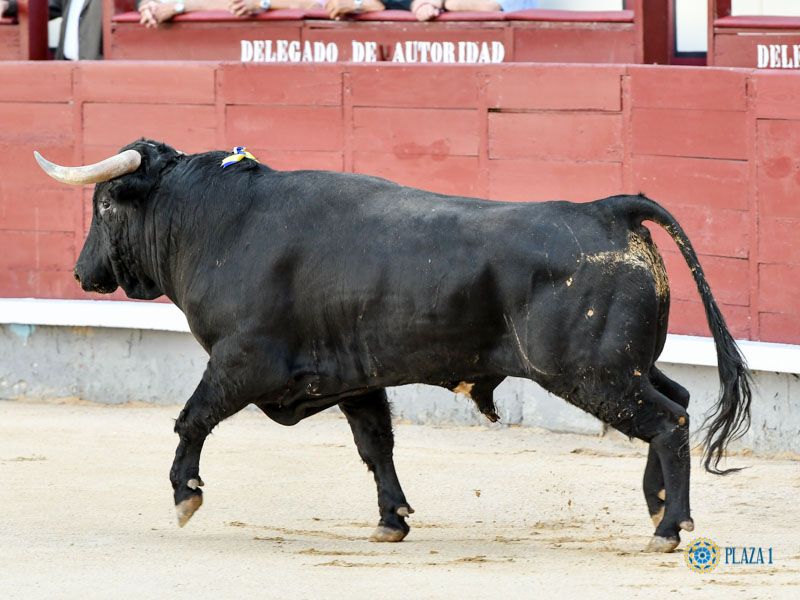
[[371, 422], [665, 425], [653, 483], [645, 413]]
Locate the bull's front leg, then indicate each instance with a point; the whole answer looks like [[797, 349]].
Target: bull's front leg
[[371, 422], [214, 400]]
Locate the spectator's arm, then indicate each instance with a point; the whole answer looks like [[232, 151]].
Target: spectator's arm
[[245, 8], [153, 12], [472, 5], [339, 8]]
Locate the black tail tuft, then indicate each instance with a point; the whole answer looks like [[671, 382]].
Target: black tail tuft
[[730, 418]]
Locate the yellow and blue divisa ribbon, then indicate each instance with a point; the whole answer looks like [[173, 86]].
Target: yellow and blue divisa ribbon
[[239, 153]]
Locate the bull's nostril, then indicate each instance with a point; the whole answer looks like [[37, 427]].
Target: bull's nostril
[[76, 276]]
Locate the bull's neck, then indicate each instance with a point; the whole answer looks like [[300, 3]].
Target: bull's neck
[[177, 246], [159, 247]]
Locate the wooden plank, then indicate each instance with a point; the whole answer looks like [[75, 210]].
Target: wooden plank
[[311, 85], [778, 93], [30, 207], [699, 133], [525, 180], [732, 49], [285, 127], [695, 181], [727, 277], [575, 43], [297, 160], [780, 328], [18, 283], [778, 174], [19, 249], [55, 250], [777, 292], [435, 132], [712, 231], [176, 83], [689, 318], [36, 81], [550, 135], [777, 241], [444, 174], [688, 88], [30, 125], [581, 87], [410, 86], [187, 127]]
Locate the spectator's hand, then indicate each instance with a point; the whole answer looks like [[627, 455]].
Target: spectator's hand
[[243, 8], [337, 9], [153, 13], [3, 7], [425, 10]]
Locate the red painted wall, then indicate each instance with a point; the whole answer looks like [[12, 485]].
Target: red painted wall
[[718, 147]]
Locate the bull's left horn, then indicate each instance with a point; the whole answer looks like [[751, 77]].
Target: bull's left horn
[[115, 166]]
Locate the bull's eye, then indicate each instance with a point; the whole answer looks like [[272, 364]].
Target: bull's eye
[[105, 204]]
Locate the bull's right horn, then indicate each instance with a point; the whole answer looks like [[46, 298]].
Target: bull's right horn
[[115, 166]]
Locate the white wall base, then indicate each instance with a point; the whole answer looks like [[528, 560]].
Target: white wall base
[[117, 352]]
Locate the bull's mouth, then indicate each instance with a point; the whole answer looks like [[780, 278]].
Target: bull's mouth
[[100, 288]]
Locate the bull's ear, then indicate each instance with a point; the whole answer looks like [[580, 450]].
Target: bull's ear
[[137, 186]]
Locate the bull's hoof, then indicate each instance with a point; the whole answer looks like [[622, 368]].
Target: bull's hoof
[[186, 508], [386, 534], [662, 544]]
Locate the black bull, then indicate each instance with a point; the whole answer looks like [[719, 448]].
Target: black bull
[[311, 289]]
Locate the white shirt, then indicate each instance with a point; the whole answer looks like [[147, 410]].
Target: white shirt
[[71, 31]]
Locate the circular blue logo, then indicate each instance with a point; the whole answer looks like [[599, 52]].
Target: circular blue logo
[[702, 555]]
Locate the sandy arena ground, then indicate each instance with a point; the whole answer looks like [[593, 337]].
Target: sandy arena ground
[[86, 512]]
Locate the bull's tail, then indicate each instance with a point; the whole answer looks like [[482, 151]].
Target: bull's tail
[[730, 417]]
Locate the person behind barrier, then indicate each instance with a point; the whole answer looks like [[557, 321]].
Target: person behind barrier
[[81, 35], [8, 8], [337, 9], [153, 12], [425, 10]]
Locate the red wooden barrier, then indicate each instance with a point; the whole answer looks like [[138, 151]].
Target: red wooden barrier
[[716, 146], [762, 41], [530, 35]]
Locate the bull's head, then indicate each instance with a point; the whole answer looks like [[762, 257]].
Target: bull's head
[[115, 253]]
